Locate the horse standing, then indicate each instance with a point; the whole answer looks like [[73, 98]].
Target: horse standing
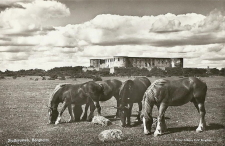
[[73, 96], [132, 91], [164, 93], [110, 88]]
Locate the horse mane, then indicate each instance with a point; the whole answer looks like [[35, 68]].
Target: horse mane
[[150, 92], [122, 86], [59, 86]]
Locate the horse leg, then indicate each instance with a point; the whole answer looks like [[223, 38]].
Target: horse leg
[[61, 112], [84, 117], [147, 118], [195, 104], [97, 105], [71, 114], [92, 109], [202, 123], [117, 111], [77, 110], [129, 113], [163, 125], [160, 124], [139, 112]]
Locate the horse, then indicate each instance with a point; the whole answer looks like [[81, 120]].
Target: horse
[[110, 88], [164, 93], [131, 92], [73, 96]]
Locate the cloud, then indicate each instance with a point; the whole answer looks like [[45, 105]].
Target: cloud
[[197, 38], [215, 21], [32, 16], [12, 4]]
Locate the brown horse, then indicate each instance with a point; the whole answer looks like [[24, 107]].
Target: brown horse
[[164, 93], [110, 88], [73, 96], [132, 91]]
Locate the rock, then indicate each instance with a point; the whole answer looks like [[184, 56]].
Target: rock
[[111, 135], [101, 120]]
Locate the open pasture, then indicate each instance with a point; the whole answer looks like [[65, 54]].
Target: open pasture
[[24, 118]]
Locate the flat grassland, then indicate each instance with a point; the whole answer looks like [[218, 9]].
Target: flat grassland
[[24, 117]]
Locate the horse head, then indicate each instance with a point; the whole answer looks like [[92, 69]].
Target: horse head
[[53, 114], [124, 100]]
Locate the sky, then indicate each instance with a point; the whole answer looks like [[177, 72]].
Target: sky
[[45, 34]]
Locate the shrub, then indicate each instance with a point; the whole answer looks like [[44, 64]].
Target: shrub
[[176, 71], [53, 77], [2, 77], [97, 78], [156, 72], [62, 78]]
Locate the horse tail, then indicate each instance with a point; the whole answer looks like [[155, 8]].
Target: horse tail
[[57, 88], [147, 98], [150, 97]]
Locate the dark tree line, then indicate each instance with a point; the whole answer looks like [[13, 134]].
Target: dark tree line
[[76, 72]]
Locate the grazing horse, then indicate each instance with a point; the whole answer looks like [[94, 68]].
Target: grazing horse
[[110, 88], [132, 91], [73, 96], [164, 93]]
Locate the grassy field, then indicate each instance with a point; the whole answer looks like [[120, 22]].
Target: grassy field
[[24, 118]]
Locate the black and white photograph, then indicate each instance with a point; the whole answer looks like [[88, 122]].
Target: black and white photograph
[[112, 72]]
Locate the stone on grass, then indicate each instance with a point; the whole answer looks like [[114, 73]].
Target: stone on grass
[[111, 135], [101, 120]]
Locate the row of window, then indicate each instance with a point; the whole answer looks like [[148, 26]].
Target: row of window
[[162, 61]]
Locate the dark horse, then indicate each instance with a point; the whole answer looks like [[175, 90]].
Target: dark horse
[[110, 88], [132, 91], [73, 96], [164, 93]]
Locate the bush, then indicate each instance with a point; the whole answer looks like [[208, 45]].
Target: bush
[[176, 71], [53, 77], [131, 71], [62, 78], [97, 78], [156, 72], [2, 77]]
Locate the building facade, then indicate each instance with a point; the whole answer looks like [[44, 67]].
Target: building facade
[[141, 62]]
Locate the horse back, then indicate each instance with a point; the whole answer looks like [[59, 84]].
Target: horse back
[[178, 92], [91, 90], [110, 88], [140, 85]]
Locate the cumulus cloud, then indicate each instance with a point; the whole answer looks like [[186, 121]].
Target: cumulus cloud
[[31, 16], [195, 37], [215, 21]]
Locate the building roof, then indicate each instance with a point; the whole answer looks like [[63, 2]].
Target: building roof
[[140, 57]]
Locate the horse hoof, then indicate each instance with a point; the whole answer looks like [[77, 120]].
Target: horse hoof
[[199, 130], [157, 134], [147, 132], [89, 120], [128, 125]]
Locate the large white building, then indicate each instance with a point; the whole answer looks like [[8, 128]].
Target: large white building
[[141, 62]]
